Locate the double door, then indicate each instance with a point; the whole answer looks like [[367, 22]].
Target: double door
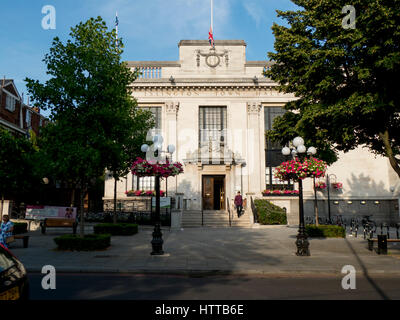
[[213, 192]]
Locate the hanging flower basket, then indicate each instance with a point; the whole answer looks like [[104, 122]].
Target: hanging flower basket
[[337, 185], [320, 185], [143, 168], [299, 170], [280, 193], [142, 193]]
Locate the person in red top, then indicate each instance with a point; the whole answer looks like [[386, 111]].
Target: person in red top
[[239, 203]]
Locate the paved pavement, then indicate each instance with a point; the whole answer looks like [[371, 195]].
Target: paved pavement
[[256, 251]]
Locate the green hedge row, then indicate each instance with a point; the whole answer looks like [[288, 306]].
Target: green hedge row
[[325, 231], [118, 229], [269, 213], [87, 243]]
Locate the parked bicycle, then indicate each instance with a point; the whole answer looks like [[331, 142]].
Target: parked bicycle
[[368, 226]]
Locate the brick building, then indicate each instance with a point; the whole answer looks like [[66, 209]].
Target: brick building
[[15, 115]]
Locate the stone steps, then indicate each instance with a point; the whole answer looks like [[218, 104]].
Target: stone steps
[[192, 219]]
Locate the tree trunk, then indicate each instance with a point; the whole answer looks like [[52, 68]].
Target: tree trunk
[[82, 222], [72, 204], [389, 152], [115, 201], [315, 205], [1, 207]]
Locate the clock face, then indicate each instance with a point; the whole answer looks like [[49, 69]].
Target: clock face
[[213, 60]]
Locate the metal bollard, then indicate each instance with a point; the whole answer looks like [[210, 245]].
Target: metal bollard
[[356, 230], [382, 244]]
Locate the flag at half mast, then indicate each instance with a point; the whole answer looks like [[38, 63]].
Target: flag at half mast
[[211, 38], [210, 33]]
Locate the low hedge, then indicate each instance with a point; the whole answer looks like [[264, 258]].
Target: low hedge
[[118, 229], [325, 231], [87, 243], [20, 227], [268, 213]]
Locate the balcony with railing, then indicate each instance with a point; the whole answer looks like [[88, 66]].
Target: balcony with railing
[[153, 69]]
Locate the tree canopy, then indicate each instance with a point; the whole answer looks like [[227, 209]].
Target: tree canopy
[[95, 119], [344, 78]]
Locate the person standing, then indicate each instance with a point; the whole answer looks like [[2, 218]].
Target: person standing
[[239, 203], [7, 228]]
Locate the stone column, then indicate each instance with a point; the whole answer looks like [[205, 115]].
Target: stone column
[[253, 147], [171, 119]]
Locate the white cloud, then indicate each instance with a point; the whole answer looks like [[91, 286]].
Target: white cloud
[[254, 11], [164, 22]]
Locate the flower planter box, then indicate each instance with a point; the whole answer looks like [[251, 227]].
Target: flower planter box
[[279, 195]]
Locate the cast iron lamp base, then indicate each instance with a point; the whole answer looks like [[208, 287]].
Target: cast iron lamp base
[[157, 241], [302, 243]]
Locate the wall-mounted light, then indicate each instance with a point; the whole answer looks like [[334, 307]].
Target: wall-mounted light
[[377, 202], [363, 202], [349, 202], [336, 202]]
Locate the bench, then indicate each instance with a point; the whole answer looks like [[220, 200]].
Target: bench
[[24, 238], [58, 223], [382, 244]]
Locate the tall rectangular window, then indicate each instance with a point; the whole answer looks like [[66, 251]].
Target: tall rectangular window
[[148, 183], [28, 118], [212, 130], [10, 103], [273, 151]]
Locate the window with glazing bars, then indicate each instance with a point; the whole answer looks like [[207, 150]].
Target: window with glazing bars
[[148, 183], [212, 125], [273, 151], [156, 111]]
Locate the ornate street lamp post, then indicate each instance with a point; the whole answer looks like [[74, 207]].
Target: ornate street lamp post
[[157, 241], [299, 150]]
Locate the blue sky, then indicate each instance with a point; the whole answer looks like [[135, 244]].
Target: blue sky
[[150, 29]]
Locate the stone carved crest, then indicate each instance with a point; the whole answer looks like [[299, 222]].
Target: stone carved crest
[[253, 107], [213, 58], [172, 107]]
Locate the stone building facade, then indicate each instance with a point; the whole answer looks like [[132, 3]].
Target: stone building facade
[[215, 106]]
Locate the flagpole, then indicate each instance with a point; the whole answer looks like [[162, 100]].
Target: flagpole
[[116, 27], [212, 16]]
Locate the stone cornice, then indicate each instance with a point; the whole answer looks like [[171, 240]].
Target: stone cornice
[[203, 81], [210, 90]]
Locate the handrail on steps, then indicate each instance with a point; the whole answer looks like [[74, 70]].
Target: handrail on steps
[[229, 211]]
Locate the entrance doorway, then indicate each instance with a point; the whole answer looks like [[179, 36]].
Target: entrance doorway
[[213, 192]]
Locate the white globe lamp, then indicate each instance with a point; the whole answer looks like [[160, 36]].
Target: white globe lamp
[[298, 141], [285, 151]]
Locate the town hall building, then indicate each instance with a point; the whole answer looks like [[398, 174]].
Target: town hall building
[[214, 106]]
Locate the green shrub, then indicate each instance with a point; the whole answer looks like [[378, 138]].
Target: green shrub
[[87, 243], [325, 231], [269, 213], [118, 229], [20, 227]]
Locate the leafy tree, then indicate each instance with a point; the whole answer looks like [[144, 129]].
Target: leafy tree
[[344, 78], [17, 173], [89, 102], [129, 136]]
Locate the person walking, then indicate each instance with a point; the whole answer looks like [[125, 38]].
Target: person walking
[[239, 203], [7, 228]]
